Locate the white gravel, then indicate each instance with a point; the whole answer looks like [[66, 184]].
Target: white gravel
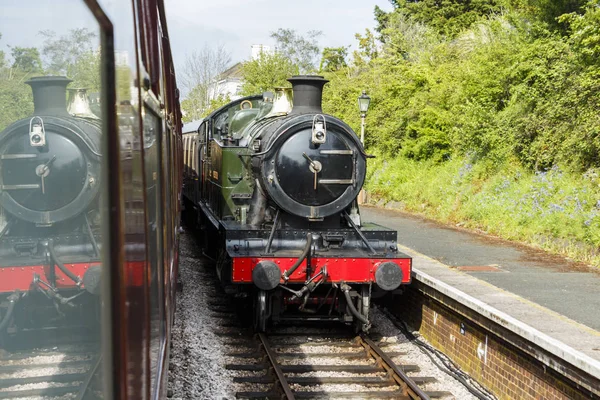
[[52, 370], [197, 360], [414, 355]]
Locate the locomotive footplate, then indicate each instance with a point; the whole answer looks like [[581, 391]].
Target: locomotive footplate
[[341, 255]]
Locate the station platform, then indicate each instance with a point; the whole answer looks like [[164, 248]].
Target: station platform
[[528, 289]]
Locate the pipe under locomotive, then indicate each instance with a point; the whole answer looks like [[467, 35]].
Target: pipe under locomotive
[[49, 211], [274, 187]]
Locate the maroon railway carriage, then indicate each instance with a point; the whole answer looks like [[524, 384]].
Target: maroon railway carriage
[[89, 190]]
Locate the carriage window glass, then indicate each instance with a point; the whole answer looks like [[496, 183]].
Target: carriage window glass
[[152, 135], [50, 208], [193, 148], [188, 153]]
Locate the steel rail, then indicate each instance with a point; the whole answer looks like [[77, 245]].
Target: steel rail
[[88, 379], [283, 383], [407, 384]]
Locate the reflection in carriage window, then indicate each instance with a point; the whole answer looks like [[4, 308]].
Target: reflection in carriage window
[[50, 186]]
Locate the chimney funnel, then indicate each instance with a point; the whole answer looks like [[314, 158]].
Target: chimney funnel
[[308, 93], [49, 95]]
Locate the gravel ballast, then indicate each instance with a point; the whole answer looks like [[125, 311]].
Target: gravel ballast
[[197, 368]]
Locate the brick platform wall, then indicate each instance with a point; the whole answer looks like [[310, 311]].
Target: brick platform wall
[[499, 366]]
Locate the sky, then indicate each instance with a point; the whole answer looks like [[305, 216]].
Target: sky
[[234, 24], [238, 24]]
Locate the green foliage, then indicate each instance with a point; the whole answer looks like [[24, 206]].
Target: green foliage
[[2, 57], [554, 210], [64, 52], [16, 100], [124, 77], [26, 59], [470, 121], [294, 54], [301, 51], [407, 39], [266, 72], [85, 72], [71, 55], [217, 103], [550, 11], [495, 92], [193, 108], [193, 105], [333, 59], [447, 17], [367, 49], [585, 32]]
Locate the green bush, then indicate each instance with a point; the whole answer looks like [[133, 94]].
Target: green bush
[[554, 210], [472, 129], [503, 89]]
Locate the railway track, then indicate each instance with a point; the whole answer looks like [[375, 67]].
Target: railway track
[[323, 365], [327, 361], [217, 355], [58, 372]]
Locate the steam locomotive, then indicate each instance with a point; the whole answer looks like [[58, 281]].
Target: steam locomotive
[[273, 183], [49, 211]]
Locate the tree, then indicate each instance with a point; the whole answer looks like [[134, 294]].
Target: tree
[[198, 77], [585, 34], [71, 55], [266, 72], [302, 51], [86, 71], [27, 59], [2, 55], [16, 100], [406, 38], [447, 17], [216, 103], [192, 110], [333, 59], [549, 11], [194, 104], [62, 53], [367, 48]]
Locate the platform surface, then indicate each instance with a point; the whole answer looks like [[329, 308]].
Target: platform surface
[[549, 293]]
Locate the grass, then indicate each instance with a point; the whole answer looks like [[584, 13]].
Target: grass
[[553, 210]]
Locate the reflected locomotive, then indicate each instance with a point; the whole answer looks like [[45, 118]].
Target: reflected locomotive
[[49, 212], [274, 183]]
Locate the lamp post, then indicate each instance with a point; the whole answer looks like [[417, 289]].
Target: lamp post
[[363, 106]]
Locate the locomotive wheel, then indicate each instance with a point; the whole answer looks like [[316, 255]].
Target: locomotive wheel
[[262, 310], [362, 305]]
